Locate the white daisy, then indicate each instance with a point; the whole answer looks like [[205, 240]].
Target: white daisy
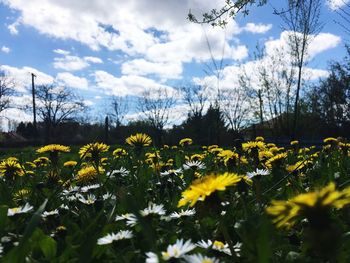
[[49, 213], [198, 258], [119, 172], [194, 165], [89, 200], [153, 209], [178, 250], [152, 257], [131, 219], [188, 212], [87, 188], [19, 210], [71, 190], [109, 196], [1, 249], [217, 245], [171, 172], [123, 234], [261, 172]]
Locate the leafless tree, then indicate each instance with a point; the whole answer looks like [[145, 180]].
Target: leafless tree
[[55, 105], [196, 99], [119, 107], [7, 85], [155, 105], [302, 20], [235, 107]]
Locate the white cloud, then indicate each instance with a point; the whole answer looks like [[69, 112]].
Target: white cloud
[[70, 80], [336, 4], [17, 116], [70, 63], [142, 67], [127, 85], [163, 34], [5, 49], [61, 52], [22, 77], [93, 60], [257, 28]]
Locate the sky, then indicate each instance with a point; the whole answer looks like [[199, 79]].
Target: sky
[[105, 48]]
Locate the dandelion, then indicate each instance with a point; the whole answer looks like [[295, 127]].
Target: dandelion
[[275, 160], [201, 188], [10, 168], [19, 210], [294, 143], [53, 148], [139, 140], [88, 173], [70, 164], [119, 152], [41, 161], [185, 142], [178, 250], [253, 145], [93, 151], [307, 205], [108, 239]]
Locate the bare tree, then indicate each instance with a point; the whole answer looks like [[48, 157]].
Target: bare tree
[[7, 85], [57, 104], [119, 107], [155, 106], [196, 99], [235, 107], [302, 19]]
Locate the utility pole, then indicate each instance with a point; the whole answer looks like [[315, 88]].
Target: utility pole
[[34, 109]]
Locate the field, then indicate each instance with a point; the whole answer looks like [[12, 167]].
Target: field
[[184, 203]]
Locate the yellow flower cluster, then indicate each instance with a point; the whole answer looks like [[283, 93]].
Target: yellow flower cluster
[[87, 174], [92, 150]]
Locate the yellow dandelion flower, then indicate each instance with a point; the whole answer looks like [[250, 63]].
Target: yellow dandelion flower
[[70, 164], [276, 159], [205, 186], [87, 174], [41, 161], [298, 165], [197, 157], [211, 147], [185, 142], [294, 143], [259, 139], [286, 213], [253, 145], [93, 150], [10, 168], [119, 152], [139, 140], [53, 148]]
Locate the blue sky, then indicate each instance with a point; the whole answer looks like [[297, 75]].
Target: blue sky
[[101, 48]]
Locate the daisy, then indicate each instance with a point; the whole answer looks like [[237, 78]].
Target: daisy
[[153, 209], [194, 165], [119, 172], [198, 258], [49, 213], [85, 189], [257, 172], [19, 210], [178, 250], [130, 218], [188, 212], [151, 257], [89, 200], [108, 196], [123, 234]]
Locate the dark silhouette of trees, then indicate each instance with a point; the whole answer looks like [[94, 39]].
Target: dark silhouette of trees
[[7, 85]]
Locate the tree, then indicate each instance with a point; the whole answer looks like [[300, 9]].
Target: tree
[[7, 85], [120, 107], [302, 21], [155, 105], [219, 17], [55, 105]]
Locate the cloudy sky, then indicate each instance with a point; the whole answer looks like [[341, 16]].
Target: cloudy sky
[[101, 48]]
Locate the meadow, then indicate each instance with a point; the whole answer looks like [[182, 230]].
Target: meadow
[[257, 202]]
